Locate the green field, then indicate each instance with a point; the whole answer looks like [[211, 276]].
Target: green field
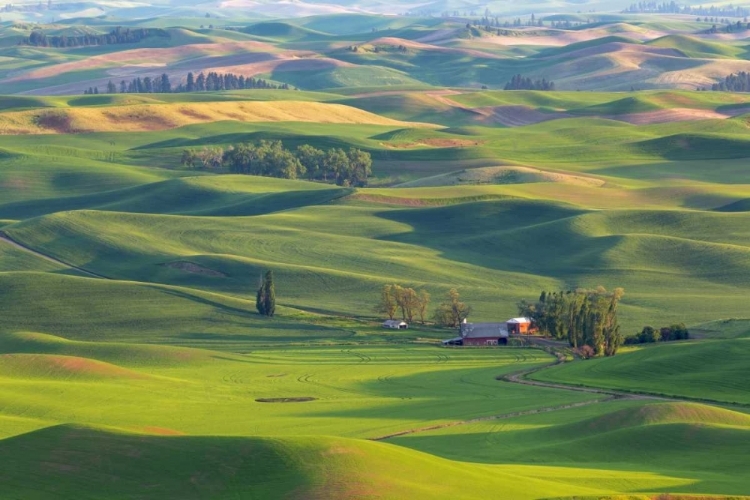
[[709, 371], [133, 363]]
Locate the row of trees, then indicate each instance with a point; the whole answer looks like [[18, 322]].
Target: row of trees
[[729, 27], [586, 318], [519, 82], [119, 35], [675, 8], [203, 83], [650, 335], [412, 303], [272, 159], [213, 82]]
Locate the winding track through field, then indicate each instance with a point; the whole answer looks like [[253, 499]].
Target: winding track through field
[[519, 378], [7, 239]]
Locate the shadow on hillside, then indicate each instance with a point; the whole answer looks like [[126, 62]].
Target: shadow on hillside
[[506, 235]]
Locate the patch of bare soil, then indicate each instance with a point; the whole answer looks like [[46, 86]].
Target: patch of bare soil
[[285, 400], [191, 267], [57, 120], [436, 142]]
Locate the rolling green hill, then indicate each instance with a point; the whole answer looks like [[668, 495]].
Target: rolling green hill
[[216, 467], [710, 370], [654, 437]]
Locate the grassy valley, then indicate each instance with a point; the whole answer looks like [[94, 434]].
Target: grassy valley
[[133, 360]]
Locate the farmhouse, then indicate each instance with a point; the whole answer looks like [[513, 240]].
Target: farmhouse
[[395, 324]]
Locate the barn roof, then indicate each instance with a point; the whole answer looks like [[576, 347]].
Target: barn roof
[[484, 330]]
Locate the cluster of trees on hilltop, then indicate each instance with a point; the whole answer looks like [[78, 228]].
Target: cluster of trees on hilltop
[[211, 82], [587, 319], [736, 82], [727, 26], [119, 35], [675, 8], [519, 82], [649, 334], [414, 303], [272, 159]]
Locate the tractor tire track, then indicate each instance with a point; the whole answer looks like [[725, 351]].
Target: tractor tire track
[[519, 378], [7, 239], [491, 418]]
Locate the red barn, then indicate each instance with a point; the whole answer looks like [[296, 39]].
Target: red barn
[[484, 334]]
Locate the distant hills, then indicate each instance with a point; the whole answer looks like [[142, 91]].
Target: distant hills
[[354, 50]]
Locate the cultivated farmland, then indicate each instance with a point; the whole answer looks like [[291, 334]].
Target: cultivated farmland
[[134, 362]]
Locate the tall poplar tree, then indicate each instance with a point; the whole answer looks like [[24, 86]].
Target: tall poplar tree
[[265, 299], [270, 294]]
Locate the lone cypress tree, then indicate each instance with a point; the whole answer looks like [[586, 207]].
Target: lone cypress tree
[[265, 299], [270, 299]]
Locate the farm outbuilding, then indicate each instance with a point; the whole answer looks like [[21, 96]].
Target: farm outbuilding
[[519, 326], [395, 324]]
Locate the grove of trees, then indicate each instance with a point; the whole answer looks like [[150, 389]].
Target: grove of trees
[[409, 302], [736, 82], [272, 159], [649, 334], [587, 319], [519, 82]]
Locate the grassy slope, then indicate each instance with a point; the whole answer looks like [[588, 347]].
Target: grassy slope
[[99, 310], [205, 196], [710, 370], [647, 252], [315, 467], [658, 438]]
